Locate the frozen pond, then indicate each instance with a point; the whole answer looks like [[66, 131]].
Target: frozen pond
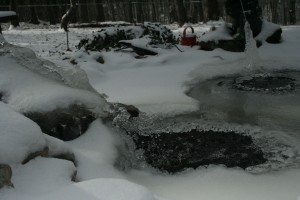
[[156, 84]]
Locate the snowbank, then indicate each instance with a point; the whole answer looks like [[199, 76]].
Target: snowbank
[[19, 136], [58, 147], [39, 176], [214, 183], [100, 189], [96, 153], [27, 91]]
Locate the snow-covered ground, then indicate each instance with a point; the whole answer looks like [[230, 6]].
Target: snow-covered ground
[[156, 85]]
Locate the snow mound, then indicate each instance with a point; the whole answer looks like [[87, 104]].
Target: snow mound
[[45, 175], [102, 189], [57, 147], [221, 33], [73, 77], [19, 136], [30, 84]]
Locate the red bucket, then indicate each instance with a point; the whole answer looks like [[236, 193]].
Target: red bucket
[[188, 40]]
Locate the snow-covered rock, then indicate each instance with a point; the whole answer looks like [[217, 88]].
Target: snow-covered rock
[[32, 85], [59, 149], [222, 38], [219, 33], [19, 136], [54, 97], [41, 175], [270, 32]]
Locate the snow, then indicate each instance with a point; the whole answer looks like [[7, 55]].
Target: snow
[[27, 91], [39, 177], [19, 136], [7, 13], [156, 85], [96, 152], [57, 147], [220, 183], [220, 33], [102, 189]]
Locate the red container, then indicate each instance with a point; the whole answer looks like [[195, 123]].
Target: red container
[[188, 40]]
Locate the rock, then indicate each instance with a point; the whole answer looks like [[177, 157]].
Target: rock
[[174, 152], [42, 153], [275, 38], [1, 96], [64, 123], [100, 60], [133, 111], [5, 176], [228, 45], [115, 109]]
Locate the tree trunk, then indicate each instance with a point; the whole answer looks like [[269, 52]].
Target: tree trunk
[[274, 13], [292, 12], [173, 14], [34, 18], [212, 11], [100, 11], [181, 12], [139, 13], [53, 12], [154, 14], [83, 11], [201, 15], [112, 10], [13, 6]]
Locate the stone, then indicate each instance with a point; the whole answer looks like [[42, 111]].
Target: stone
[[5, 176], [42, 153], [275, 38], [115, 109], [175, 152], [228, 45], [1, 96], [64, 123], [100, 60]]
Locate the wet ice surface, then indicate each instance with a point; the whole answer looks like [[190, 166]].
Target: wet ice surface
[[246, 100], [279, 147]]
